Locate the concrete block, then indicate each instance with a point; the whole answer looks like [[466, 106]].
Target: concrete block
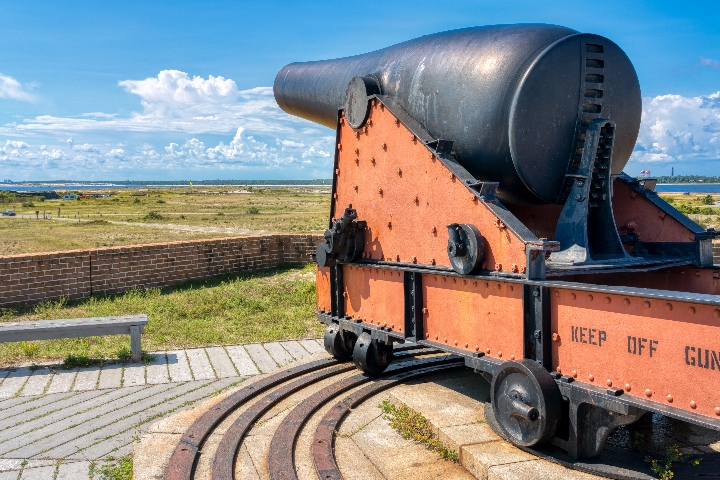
[[261, 357], [199, 364], [86, 379], [221, 362], [178, 367], [244, 364], [157, 369], [278, 353], [74, 471]]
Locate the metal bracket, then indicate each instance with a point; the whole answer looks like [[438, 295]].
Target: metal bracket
[[586, 229], [412, 284], [536, 325]]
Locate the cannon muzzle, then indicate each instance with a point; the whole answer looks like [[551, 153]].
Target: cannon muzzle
[[515, 100]]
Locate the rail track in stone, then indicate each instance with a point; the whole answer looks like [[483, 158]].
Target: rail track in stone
[[211, 446]]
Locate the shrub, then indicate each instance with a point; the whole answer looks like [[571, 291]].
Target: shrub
[[708, 199], [153, 216], [253, 210]]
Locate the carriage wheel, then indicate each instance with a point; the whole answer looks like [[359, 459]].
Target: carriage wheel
[[337, 344], [371, 356]]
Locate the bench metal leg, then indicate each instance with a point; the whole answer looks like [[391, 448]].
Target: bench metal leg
[[135, 343]]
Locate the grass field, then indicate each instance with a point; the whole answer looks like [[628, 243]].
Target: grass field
[[283, 210], [250, 307]]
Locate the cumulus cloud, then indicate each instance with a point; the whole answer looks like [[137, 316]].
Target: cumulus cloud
[[709, 62], [679, 128], [14, 90]]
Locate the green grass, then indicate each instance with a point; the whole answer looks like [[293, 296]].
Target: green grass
[[412, 425], [282, 210], [118, 469], [262, 306]]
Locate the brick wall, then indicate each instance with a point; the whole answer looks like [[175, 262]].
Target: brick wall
[[38, 277]]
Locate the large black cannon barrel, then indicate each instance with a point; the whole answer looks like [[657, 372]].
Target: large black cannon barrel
[[514, 99]]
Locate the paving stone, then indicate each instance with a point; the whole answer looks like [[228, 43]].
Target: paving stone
[[244, 364], [261, 357], [199, 364], [178, 367], [59, 432], [400, 459], [536, 469], [278, 353], [457, 436], [111, 376], [34, 413], [86, 379], [11, 402], [4, 373], [38, 473], [295, 349], [479, 458], [455, 400], [17, 413], [62, 381], [36, 384], [134, 375], [244, 467], [10, 464], [14, 382], [10, 475], [152, 466], [353, 463], [125, 430], [75, 471], [157, 370], [222, 364], [311, 346]]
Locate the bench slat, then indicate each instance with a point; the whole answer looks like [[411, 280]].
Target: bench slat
[[29, 335], [69, 325]]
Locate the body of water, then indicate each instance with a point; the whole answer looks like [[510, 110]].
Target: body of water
[[688, 187], [45, 188]]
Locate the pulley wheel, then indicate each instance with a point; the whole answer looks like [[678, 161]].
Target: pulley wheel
[[466, 248], [371, 356], [525, 402], [338, 345]]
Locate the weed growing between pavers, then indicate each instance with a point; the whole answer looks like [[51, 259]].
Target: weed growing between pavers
[[118, 469], [263, 306], [412, 425]]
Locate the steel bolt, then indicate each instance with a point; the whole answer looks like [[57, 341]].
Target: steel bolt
[[574, 373], [432, 261], [692, 310], [456, 342], [399, 172], [627, 387], [608, 300], [626, 301], [537, 334], [609, 382], [372, 160], [466, 345], [427, 335], [397, 259], [335, 195], [414, 260], [389, 224], [514, 268], [412, 137], [668, 307], [500, 354], [356, 188], [445, 339], [436, 337], [648, 392], [487, 350], [717, 313], [558, 369], [339, 146], [590, 297], [417, 200], [384, 146], [434, 230], [337, 171], [452, 176], [573, 296], [477, 348], [498, 267], [669, 398], [357, 161], [693, 405], [555, 337], [591, 378], [392, 326], [717, 410], [647, 305], [344, 294]]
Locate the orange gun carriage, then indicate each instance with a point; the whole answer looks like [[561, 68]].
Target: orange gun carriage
[[616, 316]]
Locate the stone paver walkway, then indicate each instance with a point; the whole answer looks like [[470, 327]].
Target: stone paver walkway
[[63, 424]]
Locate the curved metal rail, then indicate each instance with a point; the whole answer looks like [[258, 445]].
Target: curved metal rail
[[184, 457]]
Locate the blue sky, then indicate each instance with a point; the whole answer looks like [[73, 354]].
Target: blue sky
[[181, 90]]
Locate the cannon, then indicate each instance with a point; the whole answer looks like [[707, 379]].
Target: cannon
[[479, 206]]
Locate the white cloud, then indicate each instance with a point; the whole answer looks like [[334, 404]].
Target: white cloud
[[679, 128], [14, 90], [709, 62], [86, 147]]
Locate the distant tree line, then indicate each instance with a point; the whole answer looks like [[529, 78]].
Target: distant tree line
[[688, 179], [321, 181]]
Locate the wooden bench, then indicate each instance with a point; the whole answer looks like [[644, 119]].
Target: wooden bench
[[133, 325]]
